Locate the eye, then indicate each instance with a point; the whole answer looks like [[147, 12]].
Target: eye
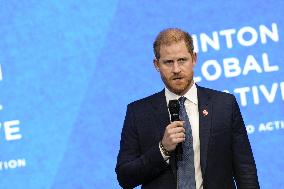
[[182, 60], [167, 62]]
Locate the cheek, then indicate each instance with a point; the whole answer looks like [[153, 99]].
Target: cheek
[[188, 70], [165, 74]]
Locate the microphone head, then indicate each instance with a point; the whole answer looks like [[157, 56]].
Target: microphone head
[[174, 110], [174, 106]]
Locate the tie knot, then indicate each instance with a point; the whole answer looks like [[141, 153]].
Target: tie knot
[[182, 100]]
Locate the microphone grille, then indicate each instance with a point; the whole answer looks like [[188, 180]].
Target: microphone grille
[[174, 106]]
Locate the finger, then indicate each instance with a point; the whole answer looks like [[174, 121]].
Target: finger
[[174, 138], [178, 135], [178, 140], [176, 124], [176, 130], [172, 125], [179, 123]]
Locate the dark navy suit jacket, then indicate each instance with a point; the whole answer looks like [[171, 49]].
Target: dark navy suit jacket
[[225, 152]]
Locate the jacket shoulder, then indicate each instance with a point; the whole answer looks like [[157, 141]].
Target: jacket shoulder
[[148, 99], [216, 95]]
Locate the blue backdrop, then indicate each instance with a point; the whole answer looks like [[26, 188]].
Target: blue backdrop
[[69, 68]]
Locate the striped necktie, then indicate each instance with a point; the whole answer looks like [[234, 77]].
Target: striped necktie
[[186, 170]]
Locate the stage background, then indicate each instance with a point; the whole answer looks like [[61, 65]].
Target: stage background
[[68, 69]]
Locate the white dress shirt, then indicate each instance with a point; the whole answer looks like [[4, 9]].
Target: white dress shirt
[[191, 106]]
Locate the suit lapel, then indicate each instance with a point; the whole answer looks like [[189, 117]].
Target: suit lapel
[[205, 115]]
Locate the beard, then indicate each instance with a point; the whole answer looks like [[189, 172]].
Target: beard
[[178, 84]]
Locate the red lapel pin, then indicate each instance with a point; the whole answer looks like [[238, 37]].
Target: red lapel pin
[[205, 112]]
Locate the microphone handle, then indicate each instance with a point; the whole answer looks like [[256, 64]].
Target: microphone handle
[[179, 151]]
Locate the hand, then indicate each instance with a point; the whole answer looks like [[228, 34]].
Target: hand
[[174, 134]]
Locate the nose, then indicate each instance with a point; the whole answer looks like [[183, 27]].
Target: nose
[[176, 68]]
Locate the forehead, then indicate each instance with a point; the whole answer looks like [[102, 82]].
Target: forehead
[[174, 50]]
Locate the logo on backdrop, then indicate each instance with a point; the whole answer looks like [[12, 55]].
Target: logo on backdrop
[[10, 131], [232, 67]]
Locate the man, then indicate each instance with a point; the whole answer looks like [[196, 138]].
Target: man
[[216, 149]]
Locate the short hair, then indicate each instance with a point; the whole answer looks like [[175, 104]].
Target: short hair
[[170, 36]]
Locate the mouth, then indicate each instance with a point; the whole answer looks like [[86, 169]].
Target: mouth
[[177, 78]]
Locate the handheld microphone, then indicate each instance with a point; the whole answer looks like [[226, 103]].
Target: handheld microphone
[[174, 111]]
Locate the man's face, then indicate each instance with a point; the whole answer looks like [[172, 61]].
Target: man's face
[[176, 67]]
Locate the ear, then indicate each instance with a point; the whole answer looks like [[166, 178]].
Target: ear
[[194, 58], [156, 64]]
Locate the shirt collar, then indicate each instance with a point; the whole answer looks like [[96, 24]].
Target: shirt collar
[[190, 95]]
